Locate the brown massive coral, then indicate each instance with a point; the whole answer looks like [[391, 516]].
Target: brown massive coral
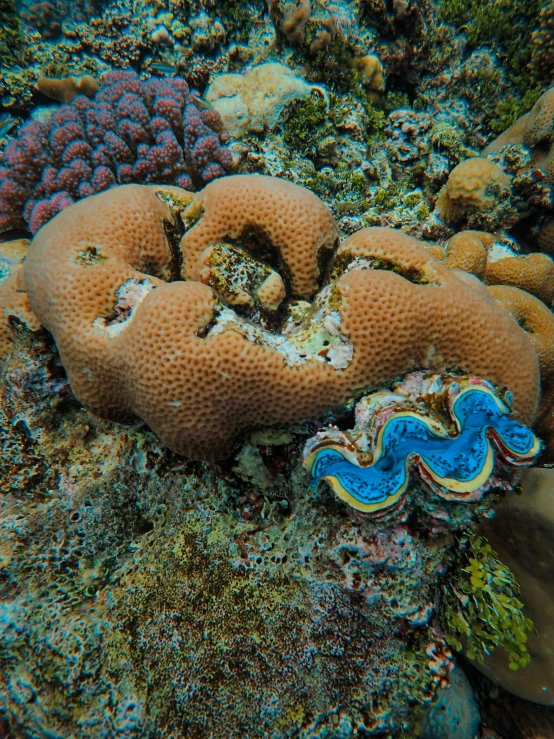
[[117, 279]]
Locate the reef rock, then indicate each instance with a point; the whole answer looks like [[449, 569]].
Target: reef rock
[[455, 714], [150, 596]]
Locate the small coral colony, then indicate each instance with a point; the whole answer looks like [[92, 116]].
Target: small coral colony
[[277, 353]]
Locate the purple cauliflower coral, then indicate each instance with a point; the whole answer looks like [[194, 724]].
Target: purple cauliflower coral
[[132, 131]]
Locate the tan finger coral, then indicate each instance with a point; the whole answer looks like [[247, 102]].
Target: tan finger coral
[[295, 17], [476, 183], [66, 88], [137, 341], [372, 75], [535, 318]]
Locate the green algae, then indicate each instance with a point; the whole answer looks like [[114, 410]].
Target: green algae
[[11, 36], [510, 109], [310, 127], [503, 29], [333, 66], [15, 56], [347, 187], [481, 606], [235, 12], [504, 24], [306, 123], [447, 139]]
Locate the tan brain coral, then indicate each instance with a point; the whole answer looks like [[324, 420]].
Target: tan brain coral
[[535, 318], [539, 125], [531, 272], [469, 250], [136, 340], [263, 213]]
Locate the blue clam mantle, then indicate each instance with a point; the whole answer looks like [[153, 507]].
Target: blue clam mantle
[[461, 464]]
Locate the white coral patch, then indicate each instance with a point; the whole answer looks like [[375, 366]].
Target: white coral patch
[[128, 297], [318, 339]]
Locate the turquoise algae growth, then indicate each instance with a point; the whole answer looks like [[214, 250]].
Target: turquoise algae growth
[[331, 577]]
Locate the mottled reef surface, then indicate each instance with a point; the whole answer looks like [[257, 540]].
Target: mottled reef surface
[[146, 595]]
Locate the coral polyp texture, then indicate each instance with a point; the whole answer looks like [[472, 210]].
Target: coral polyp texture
[[459, 464], [145, 329], [133, 130]]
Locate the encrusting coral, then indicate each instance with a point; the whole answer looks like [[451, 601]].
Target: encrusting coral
[[13, 294], [253, 101], [233, 611], [132, 131], [12, 255], [137, 343]]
